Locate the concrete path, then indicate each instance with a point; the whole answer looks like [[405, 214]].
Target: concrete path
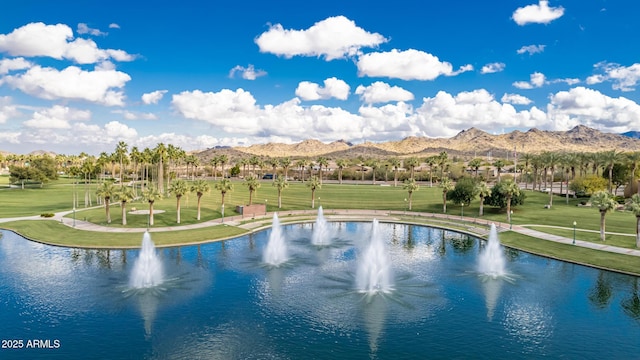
[[472, 225]]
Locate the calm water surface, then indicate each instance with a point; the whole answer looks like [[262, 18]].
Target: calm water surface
[[221, 302]]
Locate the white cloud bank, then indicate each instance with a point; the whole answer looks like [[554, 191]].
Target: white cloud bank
[[537, 14], [333, 88], [381, 92], [624, 78], [56, 41], [531, 49], [492, 68], [332, 38], [406, 65], [153, 97], [247, 73]]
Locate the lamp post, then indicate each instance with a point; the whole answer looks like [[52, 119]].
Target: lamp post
[[574, 232], [461, 211], [406, 205], [511, 220], [265, 206], [74, 216]]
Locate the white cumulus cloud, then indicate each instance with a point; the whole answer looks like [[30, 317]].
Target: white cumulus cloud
[[56, 41], [406, 65], [153, 97], [332, 38], [7, 109], [72, 83], [56, 117], [536, 80], [333, 88], [381, 92], [247, 73], [590, 107], [83, 28], [531, 49], [624, 78], [515, 99], [538, 14], [7, 65], [492, 68]]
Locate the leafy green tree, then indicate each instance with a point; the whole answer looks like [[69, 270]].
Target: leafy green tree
[[125, 195], [464, 191], [200, 187], [604, 202], [411, 186], [633, 205], [446, 184], [151, 195], [280, 183], [313, 184], [46, 166], [20, 174], [589, 184], [178, 188], [252, 183], [106, 190]]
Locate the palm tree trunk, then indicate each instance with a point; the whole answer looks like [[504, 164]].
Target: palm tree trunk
[[279, 199], [313, 199], [444, 201], [106, 206], [124, 213], [638, 231], [178, 209], [508, 208], [199, 197], [150, 214], [410, 199], [481, 212]]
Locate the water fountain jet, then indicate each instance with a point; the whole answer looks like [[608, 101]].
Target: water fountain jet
[[321, 235], [147, 270], [374, 273], [491, 261], [275, 253]]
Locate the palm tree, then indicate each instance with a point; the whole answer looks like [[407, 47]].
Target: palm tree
[[224, 186], [499, 164], [285, 163], [551, 159], [125, 194], [322, 163], [253, 184], [509, 189], [604, 202], [214, 164], [136, 158], [121, 154], [447, 185], [483, 191], [374, 165], [442, 161], [302, 163], [633, 159], [200, 187], [314, 184], [106, 190], [475, 165], [274, 162], [160, 153], [395, 164], [341, 164], [151, 195], [633, 205], [178, 188], [224, 159], [410, 185], [610, 158], [431, 161], [412, 163], [280, 183]]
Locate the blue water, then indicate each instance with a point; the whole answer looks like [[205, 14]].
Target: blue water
[[221, 302]]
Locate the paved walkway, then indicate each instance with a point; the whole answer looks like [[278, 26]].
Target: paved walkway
[[472, 225]]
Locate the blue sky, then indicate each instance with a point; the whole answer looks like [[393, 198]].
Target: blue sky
[[83, 75]]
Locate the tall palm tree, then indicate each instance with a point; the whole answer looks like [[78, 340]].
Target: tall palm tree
[[200, 187], [483, 191], [442, 161], [374, 164], [604, 202], [341, 164], [509, 189], [410, 185], [125, 194], [136, 158], [499, 164], [610, 158], [274, 162], [412, 163], [551, 160], [302, 163], [322, 162], [395, 163], [214, 165], [178, 188], [254, 161], [106, 190], [313, 184], [280, 183], [633, 205], [285, 163], [151, 194], [526, 159], [475, 164], [121, 154], [224, 159], [252, 183], [224, 186], [431, 161], [447, 185], [633, 159], [160, 153]]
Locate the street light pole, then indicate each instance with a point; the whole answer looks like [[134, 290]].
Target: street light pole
[[405, 206], [74, 216], [511, 220], [461, 211], [574, 232]]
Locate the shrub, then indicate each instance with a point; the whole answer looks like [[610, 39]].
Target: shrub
[[47, 215]]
